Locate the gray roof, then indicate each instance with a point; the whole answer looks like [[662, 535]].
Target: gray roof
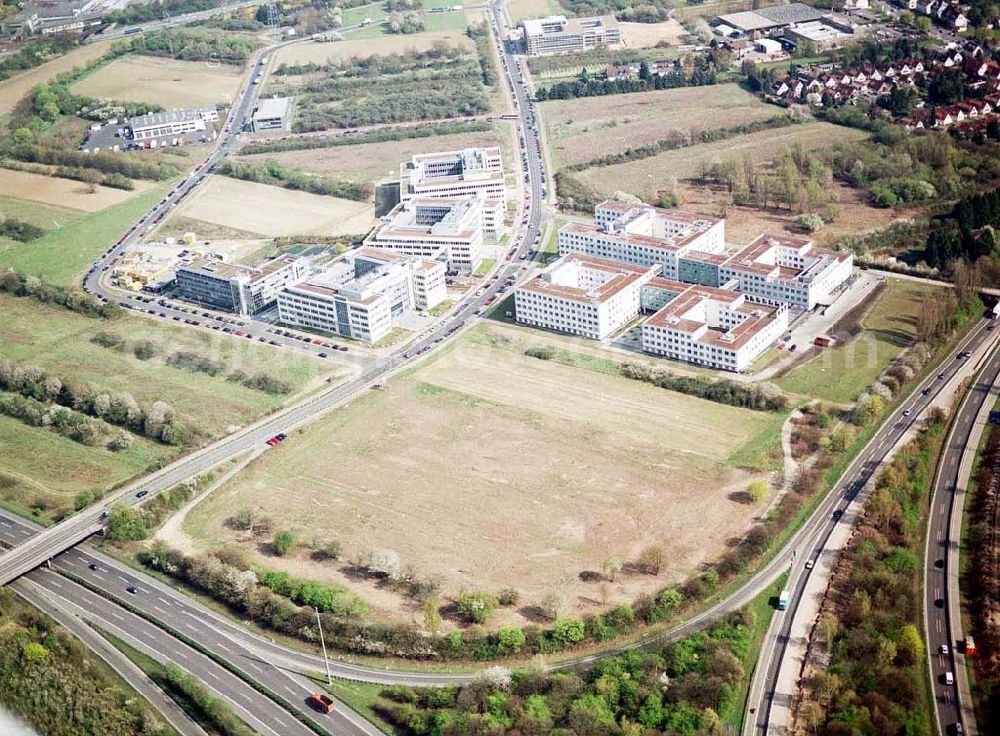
[[792, 13], [164, 118], [272, 107]]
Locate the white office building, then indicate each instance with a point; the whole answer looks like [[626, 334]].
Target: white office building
[[450, 230], [782, 269], [715, 328], [580, 295], [471, 172], [272, 113], [237, 288], [642, 235], [558, 34], [176, 122], [363, 294]]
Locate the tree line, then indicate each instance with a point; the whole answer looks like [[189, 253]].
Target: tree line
[[190, 44], [36, 53], [967, 232], [272, 172], [32, 287], [426, 130], [703, 73]]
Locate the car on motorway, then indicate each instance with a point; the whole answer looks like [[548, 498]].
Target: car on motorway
[[940, 376], [966, 354], [926, 391], [132, 589], [907, 412], [949, 678], [838, 513], [810, 564], [93, 566], [321, 702], [944, 649], [142, 494]]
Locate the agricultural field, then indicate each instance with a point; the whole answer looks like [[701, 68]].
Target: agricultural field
[[59, 341], [648, 35], [645, 176], [62, 255], [262, 209], [370, 162], [68, 193], [318, 53], [887, 327], [518, 10], [582, 129], [491, 469], [14, 88], [167, 82]]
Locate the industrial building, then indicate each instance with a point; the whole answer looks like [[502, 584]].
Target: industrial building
[[272, 113], [176, 122], [557, 34], [363, 293], [448, 229], [471, 172], [236, 288], [766, 21], [643, 235], [580, 295]]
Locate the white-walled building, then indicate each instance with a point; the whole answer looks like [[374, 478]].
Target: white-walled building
[[580, 295], [471, 172], [643, 235], [558, 34], [363, 293], [783, 269], [716, 328], [437, 229], [175, 122], [237, 288]]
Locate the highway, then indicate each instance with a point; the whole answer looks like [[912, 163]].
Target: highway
[[114, 32], [942, 601], [839, 509]]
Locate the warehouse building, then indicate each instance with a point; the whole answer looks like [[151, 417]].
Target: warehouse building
[[449, 230], [557, 34], [176, 122], [581, 295], [643, 235], [767, 21], [471, 172], [272, 113], [236, 288], [363, 294]]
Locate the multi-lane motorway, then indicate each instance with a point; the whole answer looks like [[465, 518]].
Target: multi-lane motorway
[[942, 602], [840, 508]]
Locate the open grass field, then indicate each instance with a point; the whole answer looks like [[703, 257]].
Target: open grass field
[[518, 10], [59, 341], [318, 53], [48, 216], [648, 35], [263, 209], [14, 88], [645, 176], [370, 162], [840, 373], [64, 254], [165, 82], [64, 192], [491, 469], [583, 129]]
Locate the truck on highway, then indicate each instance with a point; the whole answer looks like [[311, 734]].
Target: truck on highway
[[970, 646], [783, 600], [321, 702]]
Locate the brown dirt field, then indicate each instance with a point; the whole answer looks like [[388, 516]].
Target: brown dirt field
[[371, 162], [13, 89], [493, 469], [319, 52], [261, 209], [172, 84], [743, 224], [583, 129], [645, 176], [63, 192], [647, 35]]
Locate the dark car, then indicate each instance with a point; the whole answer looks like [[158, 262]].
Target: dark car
[[142, 494], [838, 513], [132, 589], [93, 566]]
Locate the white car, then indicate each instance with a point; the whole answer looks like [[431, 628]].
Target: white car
[[810, 564], [943, 649]]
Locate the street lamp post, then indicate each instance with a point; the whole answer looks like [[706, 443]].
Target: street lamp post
[[329, 679]]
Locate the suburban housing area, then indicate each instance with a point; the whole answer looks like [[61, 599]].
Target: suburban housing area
[[708, 308]]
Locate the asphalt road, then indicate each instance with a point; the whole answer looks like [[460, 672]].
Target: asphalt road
[[840, 507], [942, 604]]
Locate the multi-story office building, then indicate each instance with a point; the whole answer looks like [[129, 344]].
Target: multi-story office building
[[272, 113], [471, 172], [780, 269], [643, 235], [363, 293], [580, 295], [235, 288], [176, 122], [443, 229], [716, 328], [560, 35]]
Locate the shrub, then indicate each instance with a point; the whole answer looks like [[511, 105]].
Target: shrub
[[125, 524], [568, 631], [757, 489], [108, 340], [508, 597], [477, 605], [652, 559], [145, 349], [283, 542]]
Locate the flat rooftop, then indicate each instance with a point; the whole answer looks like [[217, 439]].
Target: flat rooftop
[[615, 277], [555, 25], [273, 107]]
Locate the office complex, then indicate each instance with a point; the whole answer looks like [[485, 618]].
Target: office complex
[[447, 229], [272, 113], [235, 288], [363, 293], [176, 122], [559, 35], [643, 235], [471, 172], [591, 297]]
